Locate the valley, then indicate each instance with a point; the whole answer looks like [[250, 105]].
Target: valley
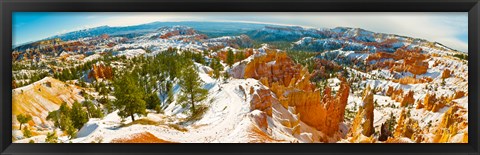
[[247, 83]]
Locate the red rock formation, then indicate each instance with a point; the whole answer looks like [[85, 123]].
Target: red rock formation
[[407, 127], [260, 119], [400, 124], [434, 104], [101, 72], [291, 84], [144, 137], [385, 133], [446, 74], [326, 115], [276, 67], [419, 105], [458, 94], [322, 65], [14, 84], [418, 68], [262, 100], [389, 91], [410, 129], [407, 99], [397, 95], [368, 108], [451, 124], [104, 36], [15, 55], [178, 32], [429, 101], [362, 126], [436, 63], [413, 60], [248, 52]]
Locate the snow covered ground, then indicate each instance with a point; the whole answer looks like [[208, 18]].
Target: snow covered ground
[[229, 117]]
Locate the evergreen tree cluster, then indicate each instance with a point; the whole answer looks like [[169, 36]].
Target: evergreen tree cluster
[[75, 72], [29, 79], [230, 57], [130, 97], [72, 119], [149, 83], [216, 66], [192, 91]]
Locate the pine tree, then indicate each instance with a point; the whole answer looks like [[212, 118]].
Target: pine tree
[[206, 53], [108, 105], [22, 119], [129, 97], [78, 116], [104, 91], [152, 101], [69, 128], [192, 91], [391, 122], [93, 111], [53, 116], [240, 56], [51, 137], [169, 92], [217, 67], [89, 105], [230, 58], [226, 76]]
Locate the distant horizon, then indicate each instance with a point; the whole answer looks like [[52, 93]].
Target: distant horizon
[[449, 29], [63, 33]]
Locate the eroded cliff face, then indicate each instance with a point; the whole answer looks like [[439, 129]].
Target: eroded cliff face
[[410, 80], [362, 127], [398, 95], [413, 60], [325, 114], [453, 124], [368, 105], [459, 94], [101, 71], [42, 97], [407, 127], [432, 103], [262, 99], [407, 99], [290, 82], [275, 67]]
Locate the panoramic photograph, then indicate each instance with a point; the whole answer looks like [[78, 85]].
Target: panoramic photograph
[[240, 77]]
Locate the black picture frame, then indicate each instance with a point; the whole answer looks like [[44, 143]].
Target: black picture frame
[[470, 6]]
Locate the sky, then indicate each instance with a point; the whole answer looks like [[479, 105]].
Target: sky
[[448, 28]]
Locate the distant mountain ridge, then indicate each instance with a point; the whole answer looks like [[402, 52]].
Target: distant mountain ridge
[[324, 38], [206, 27]]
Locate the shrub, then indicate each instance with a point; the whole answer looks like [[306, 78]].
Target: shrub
[[51, 137], [27, 133]]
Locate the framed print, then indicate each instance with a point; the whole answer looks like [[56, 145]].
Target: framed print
[[240, 76]]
